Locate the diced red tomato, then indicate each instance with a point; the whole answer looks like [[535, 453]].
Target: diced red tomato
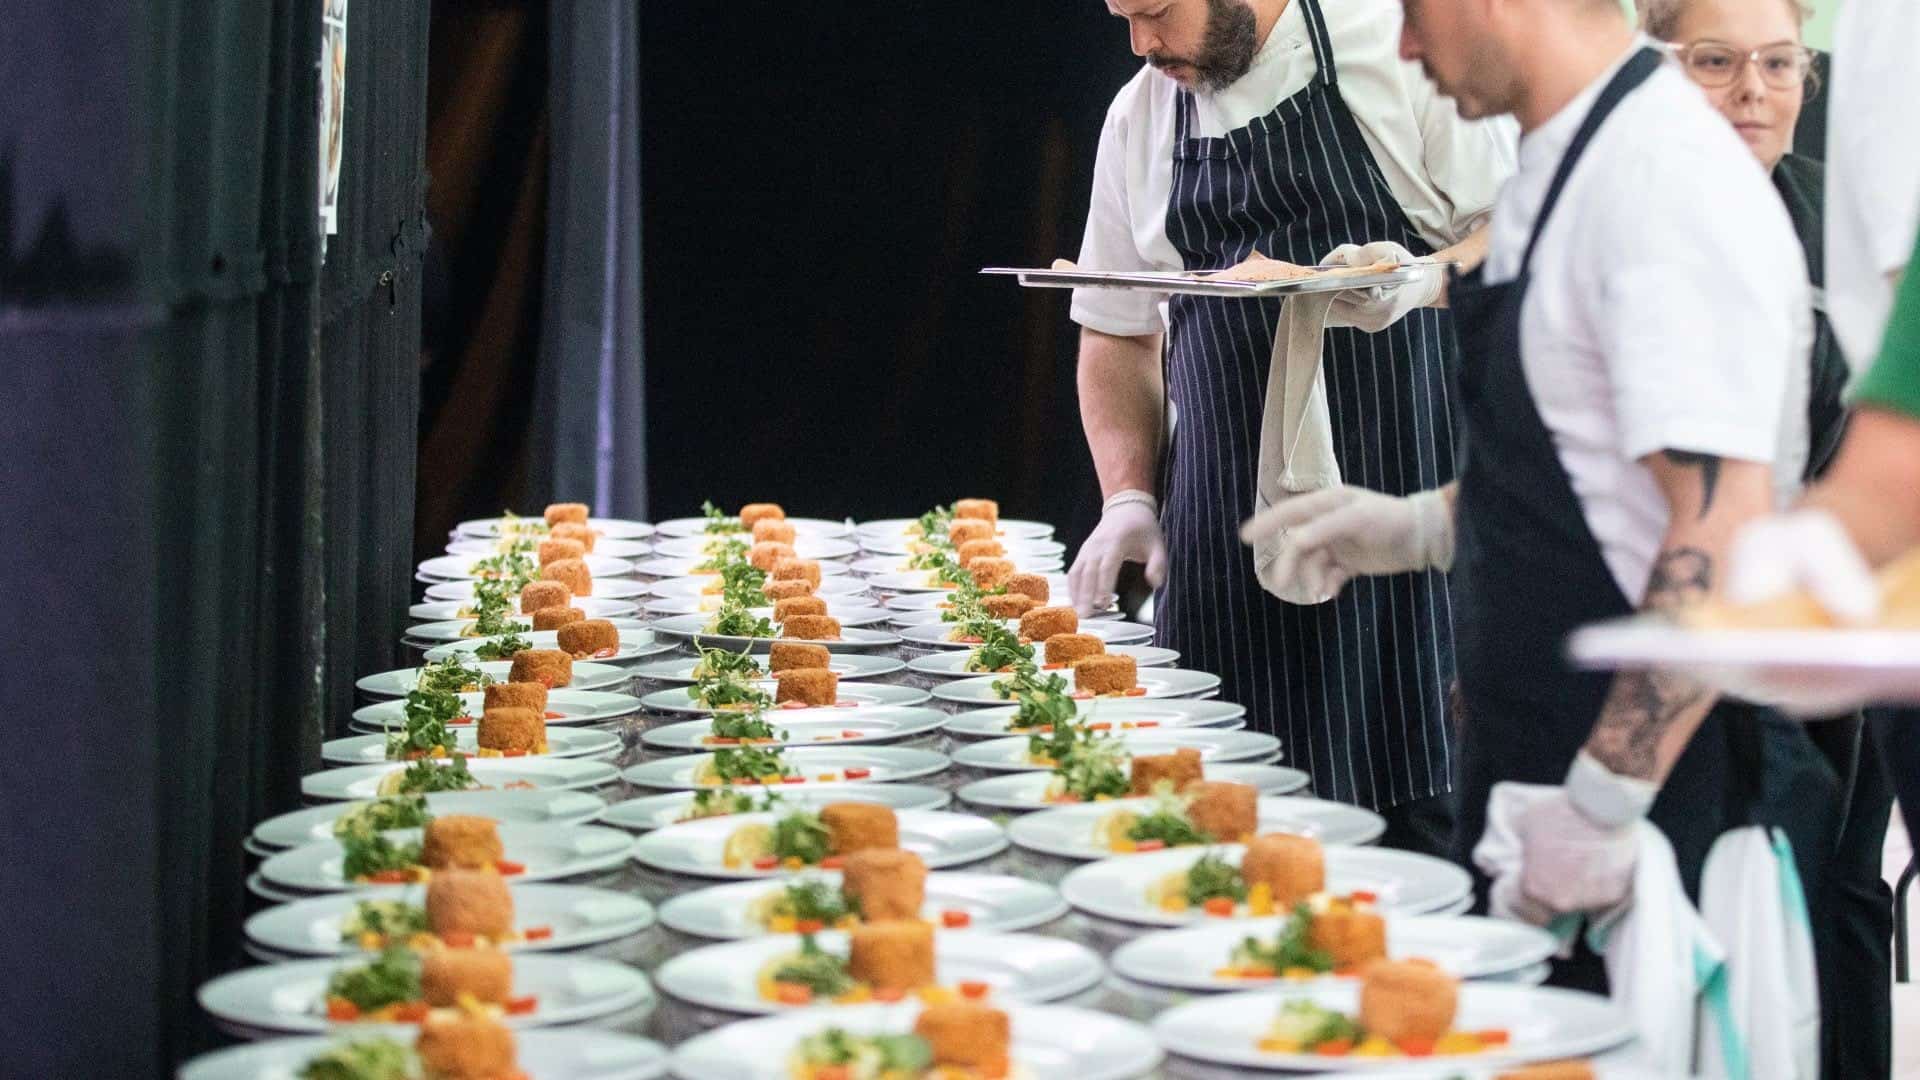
[[974, 990], [1068, 797], [602, 654], [1048, 667], [1494, 1036], [508, 867], [1100, 725], [1138, 691], [545, 680], [521, 1006], [1150, 845], [832, 1072], [892, 993], [845, 734], [833, 862], [457, 939], [551, 715], [1361, 896], [722, 740], [411, 1012], [1218, 905], [765, 862], [341, 1011], [537, 933], [1414, 1046], [390, 877], [464, 719], [1083, 695], [790, 706], [513, 753], [808, 926], [858, 773], [1148, 723], [792, 993], [793, 779], [955, 919], [1334, 1048]]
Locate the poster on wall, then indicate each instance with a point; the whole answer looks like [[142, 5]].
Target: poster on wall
[[333, 109]]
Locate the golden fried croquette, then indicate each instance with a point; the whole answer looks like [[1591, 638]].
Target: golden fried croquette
[[961, 530], [1292, 866], [1550, 1070], [1073, 648], [1407, 999], [764, 554], [1176, 770], [1010, 606], [554, 550], [553, 618], [571, 572], [1032, 586], [462, 841], [967, 1035], [982, 509], [567, 512], [1351, 937], [981, 549], [888, 883], [484, 974], [1224, 810], [809, 686], [776, 530], [1043, 624], [571, 530], [990, 573], [549, 667], [896, 954], [588, 637], [469, 902], [805, 570], [811, 628], [798, 605], [516, 695], [859, 826], [786, 590], [511, 729], [466, 1046], [544, 594], [787, 655], [1106, 674], [756, 512]]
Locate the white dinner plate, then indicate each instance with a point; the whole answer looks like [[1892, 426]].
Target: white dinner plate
[[1403, 883], [549, 852], [1010, 754], [896, 534], [576, 1053], [453, 630], [1111, 631], [941, 838], [830, 588], [497, 774], [290, 998], [929, 616], [990, 902], [1028, 790], [1017, 967], [660, 811], [618, 549], [577, 915], [1068, 831], [1024, 562], [694, 628], [808, 727], [604, 588], [1466, 946], [899, 558], [1050, 1042], [594, 607], [586, 676], [804, 526], [463, 568], [635, 644], [612, 528], [564, 707], [1158, 684], [314, 824], [805, 546], [679, 669], [1545, 1024], [852, 697], [561, 743], [1126, 715], [662, 566], [941, 600], [922, 581], [884, 764], [952, 663], [850, 610]]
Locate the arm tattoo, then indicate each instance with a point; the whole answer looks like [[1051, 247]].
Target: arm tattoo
[[1644, 705], [1681, 577], [1709, 467]]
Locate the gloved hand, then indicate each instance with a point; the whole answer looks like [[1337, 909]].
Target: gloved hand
[[1330, 537], [1376, 308], [1807, 549], [1129, 531], [1578, 849]]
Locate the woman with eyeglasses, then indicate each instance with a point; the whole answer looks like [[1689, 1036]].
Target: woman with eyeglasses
[[1748, 57]]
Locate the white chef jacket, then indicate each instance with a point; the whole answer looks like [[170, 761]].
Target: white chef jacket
[[1873, 167], [1668, 306], [1444, 171]]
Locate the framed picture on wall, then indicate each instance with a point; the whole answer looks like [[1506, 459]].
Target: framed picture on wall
[[333, 108]]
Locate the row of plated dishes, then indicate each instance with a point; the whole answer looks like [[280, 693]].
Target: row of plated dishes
[[845, 911]]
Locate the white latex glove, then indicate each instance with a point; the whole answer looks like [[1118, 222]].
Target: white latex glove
[[1807, 549], [1374, 309], [1330, 537], [1128, 532], [1578, 848]]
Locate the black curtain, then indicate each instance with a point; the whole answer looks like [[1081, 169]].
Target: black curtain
[[209, 441]]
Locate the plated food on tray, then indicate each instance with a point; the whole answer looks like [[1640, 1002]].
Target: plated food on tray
[[564, 708], [455, 909], [952, 900], [599, 640], [797, 681], [465, 675], [868, 723], [753, 519], [658, 811], [1087, 765], [463, 1049], [435, 723], [1021, 718], [751, 766], [323, 822], [790, 840], [448, 842], [849, 666], [457, 773], [1206, 812]]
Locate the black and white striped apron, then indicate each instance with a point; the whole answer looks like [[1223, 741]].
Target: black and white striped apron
[[1357, 688]]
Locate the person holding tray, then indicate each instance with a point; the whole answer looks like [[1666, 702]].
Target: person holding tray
[[1288, 128]]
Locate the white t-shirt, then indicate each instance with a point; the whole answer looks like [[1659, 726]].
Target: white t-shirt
[[1873, 168], [1668, 307], [1443, 171]]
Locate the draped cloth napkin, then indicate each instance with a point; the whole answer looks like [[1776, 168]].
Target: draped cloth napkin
[[1296, 432]]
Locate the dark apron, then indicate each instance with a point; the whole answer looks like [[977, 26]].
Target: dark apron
[[1356, 689], [1528, 571]]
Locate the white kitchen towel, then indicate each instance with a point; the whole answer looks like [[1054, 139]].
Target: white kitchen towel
[[1296, 432], [1752, 899]]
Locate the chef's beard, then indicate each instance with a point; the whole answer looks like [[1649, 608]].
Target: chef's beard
[[1227, 51]]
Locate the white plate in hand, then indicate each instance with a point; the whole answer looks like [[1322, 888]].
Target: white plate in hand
[[1544, 1024], [849, 666], [803, 526], [1028, 790], [990, 902], [1010, 754], [1116, 715], [619, 549], [1466, 946], [561, 743], [878, 724], [593, 607], [1068, 831], [466, 568], [563, 707], [452, 630], [883, 764], [952, 663], [1814, 671], [314, 824], [694, 628], [634, 645], [576, 1053], [612, 528], [1111, 631], [548, 852], [578, 915], [498, 774], [831, 587], [398, 684], [1401, 881], [897, 534], [1017, 967], [941, 839], [850, 698], [805, 546], [605, 588], [659, 811], [1157, 684], [1050, 1042]]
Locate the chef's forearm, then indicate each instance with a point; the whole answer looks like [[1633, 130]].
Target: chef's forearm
[[1465, 255], [1123, 400], [1874, 485]]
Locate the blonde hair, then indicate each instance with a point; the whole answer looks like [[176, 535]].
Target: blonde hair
[[1661, 18]]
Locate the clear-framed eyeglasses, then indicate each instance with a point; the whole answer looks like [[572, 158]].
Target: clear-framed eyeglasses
[[1716, 64]]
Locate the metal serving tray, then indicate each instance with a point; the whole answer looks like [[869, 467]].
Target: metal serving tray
[[1192, 283]]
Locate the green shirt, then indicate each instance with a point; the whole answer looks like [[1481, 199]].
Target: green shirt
[[1894, 381]]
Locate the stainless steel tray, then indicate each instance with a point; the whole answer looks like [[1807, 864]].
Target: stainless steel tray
[[1193, 284]]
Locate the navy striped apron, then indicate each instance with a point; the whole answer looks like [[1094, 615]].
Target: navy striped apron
[[1357, 688]]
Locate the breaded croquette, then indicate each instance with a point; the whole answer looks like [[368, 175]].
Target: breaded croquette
[[808, 686], [553, 618], [555, 550], [1043, 623], [990, 573], [567, 512], [1294, 867], [805, 570], [787, 655], [469, 902], [1350, 937], [786, 590], [811, 628], [1072, 648], [1550, 1070], [757, 512], [858, 826], [466, 1046], [893, 955], [1010, 606], [485, 975], [798, 605], [981, 549], [1032, 586], [571, 530], [549, 667], [1115, 674], [984, 509], [1176, 770], [461, 841], [888, 883], [776, 530], [571, 572], [515, 695], [967, 1035], [1407, 1000], [588, 637], [512, 730], [961, 530], [763, 555], [1224, 810], [544, 594]]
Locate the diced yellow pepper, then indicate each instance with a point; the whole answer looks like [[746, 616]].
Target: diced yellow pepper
[[1458, 1042], [1374, 1046], [1173, 902], [1260, 899], [783, 924], [1279, 1046]]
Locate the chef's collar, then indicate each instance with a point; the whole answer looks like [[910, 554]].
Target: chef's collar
[[1543, 146], [1287, 37]]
